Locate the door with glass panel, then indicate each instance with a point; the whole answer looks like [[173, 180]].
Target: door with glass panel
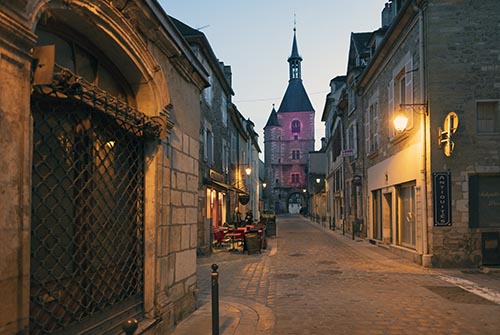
[[406, 222]]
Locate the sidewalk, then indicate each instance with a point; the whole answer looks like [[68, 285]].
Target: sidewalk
[[236, 316], [483, 281]]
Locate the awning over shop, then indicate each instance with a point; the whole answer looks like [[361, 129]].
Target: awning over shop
[[225, 187]]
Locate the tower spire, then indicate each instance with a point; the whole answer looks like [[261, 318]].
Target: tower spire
[[294, 60]]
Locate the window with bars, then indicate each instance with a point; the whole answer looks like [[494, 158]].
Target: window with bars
[[87, 228], [87, 215]]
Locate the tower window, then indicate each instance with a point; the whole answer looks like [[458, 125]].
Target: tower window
[[296, 126]]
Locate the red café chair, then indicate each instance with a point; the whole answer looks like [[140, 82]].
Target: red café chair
[[218, 237]]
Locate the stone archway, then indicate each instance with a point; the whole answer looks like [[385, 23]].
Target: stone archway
[[106, 70]]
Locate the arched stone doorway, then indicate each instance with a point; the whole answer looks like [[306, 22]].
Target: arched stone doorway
[[295, 202], [92, 137]]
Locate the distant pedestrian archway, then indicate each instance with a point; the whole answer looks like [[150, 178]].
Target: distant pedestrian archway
[[295, 203]]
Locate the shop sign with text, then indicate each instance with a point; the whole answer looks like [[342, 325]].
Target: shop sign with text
[[441, 190]]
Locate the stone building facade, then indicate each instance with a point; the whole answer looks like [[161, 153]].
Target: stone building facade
[[215, 132], [431, 184], [288, 139], [99, 119]]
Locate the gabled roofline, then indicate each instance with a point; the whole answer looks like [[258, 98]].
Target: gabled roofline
[[182, 48], [395, 29], [199, 38]]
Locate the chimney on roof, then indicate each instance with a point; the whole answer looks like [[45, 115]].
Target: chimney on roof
[[387, 14]]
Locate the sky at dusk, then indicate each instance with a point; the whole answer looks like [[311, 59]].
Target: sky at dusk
[[255, 38]]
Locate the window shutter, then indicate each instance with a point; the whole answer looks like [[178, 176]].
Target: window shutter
[[355, 139], [409, 90], [375, 125], [367, 132], [212, 158], [205, 144], [390, 104]]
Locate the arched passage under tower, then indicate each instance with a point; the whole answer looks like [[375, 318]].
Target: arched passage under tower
[[296, 201]]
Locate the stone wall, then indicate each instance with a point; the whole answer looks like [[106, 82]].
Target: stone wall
[[170, 86], [463, 64]]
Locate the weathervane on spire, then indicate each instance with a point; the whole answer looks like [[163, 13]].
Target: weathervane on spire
[[294, 22]]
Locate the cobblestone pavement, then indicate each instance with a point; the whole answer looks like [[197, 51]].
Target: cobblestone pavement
[[314, 281]]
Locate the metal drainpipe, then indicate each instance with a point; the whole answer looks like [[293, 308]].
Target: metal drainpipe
[[423, 124]]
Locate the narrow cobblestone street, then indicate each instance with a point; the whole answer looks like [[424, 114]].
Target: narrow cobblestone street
[[311, 280]]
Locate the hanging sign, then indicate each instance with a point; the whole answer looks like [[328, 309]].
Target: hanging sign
[[244, 199], [441, 191]]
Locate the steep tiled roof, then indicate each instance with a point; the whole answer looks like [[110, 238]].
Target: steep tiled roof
[[295, 98], [359, 49], [273, 119], [184, 29], [361, 40]]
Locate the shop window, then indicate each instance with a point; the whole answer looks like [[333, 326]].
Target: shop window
[[377, 214], [484, 201]]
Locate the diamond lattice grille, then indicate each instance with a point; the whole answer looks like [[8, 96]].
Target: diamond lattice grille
[[87, 214]]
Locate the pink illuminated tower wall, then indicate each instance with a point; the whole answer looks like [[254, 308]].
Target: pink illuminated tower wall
[[288, 139]]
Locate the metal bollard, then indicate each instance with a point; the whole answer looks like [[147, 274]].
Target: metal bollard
[[130, 326], [215, 300]]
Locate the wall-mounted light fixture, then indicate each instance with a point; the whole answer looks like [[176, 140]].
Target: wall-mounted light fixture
[[248, 169], [400, 122], [264, 184], [318, 180], [401, 119]]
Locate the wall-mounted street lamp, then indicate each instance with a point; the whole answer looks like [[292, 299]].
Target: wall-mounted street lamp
[[401, 119], [400, 122], [248, 169], [264, 184], [318, 180]]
